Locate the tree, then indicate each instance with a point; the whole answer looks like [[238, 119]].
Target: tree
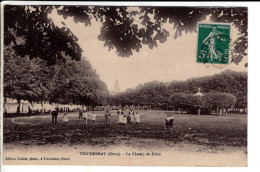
[[227, 81], [42, 39], [24, 79], [178, 100], [66, 82], [219, 101], [123, 28], [207, 102], [154, 94], [77, 83], [150, 94], [241, 103]]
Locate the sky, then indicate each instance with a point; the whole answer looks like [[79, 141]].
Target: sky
[[175, 59]]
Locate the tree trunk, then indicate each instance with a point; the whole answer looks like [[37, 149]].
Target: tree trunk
[[5, 111], [220, 112], [198, 111], [42, 110]]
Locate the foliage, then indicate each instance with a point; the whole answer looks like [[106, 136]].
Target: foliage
[[66, 82], [42, 39], [207, 101], [126, 29], [218, 100], [228, 82], [220, 91], [151, 93], [24, 78]]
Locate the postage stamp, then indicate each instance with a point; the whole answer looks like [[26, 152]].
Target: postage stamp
[[213, 43]]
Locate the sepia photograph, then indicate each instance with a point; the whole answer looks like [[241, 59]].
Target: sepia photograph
[[93, 85]]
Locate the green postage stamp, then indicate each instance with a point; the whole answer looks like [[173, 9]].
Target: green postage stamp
[[213, 43]]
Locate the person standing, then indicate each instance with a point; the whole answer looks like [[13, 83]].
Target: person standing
[[131, 115], [93, 118], [107, 118], [120, 115], [80, 113], [65, 118], [88, 117], [84, 117], [137, 118], [169, 122], [55, 114]]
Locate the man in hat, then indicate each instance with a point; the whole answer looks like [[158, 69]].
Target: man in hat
[[54, 115]]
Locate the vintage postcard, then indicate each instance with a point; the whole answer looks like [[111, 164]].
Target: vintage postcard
[[93, 85]]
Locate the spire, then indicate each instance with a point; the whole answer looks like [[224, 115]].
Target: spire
[[116, 88]]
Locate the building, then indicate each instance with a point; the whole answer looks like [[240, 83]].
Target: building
[[116, 88]]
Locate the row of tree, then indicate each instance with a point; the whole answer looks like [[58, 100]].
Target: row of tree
[[180, 93], [225, 82], [66, 82], [207, 102]]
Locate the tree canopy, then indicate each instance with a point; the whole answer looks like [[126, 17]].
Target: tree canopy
[[225, 89], [66, 82], [123, 28], [42, 39]]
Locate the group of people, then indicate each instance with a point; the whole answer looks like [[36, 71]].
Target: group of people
[[55, 113], [131, 117], [90, 117], [87, 116]]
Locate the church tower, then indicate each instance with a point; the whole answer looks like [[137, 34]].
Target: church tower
[[116, 88]]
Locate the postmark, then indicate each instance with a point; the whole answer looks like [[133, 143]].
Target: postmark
[[213, 43]]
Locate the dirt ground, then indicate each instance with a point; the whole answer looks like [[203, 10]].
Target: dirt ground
[[193, 141]]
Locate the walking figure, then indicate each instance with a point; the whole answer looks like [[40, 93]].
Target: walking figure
[[211, 41]]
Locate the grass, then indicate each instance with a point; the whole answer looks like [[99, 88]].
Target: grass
[[230, 130]]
